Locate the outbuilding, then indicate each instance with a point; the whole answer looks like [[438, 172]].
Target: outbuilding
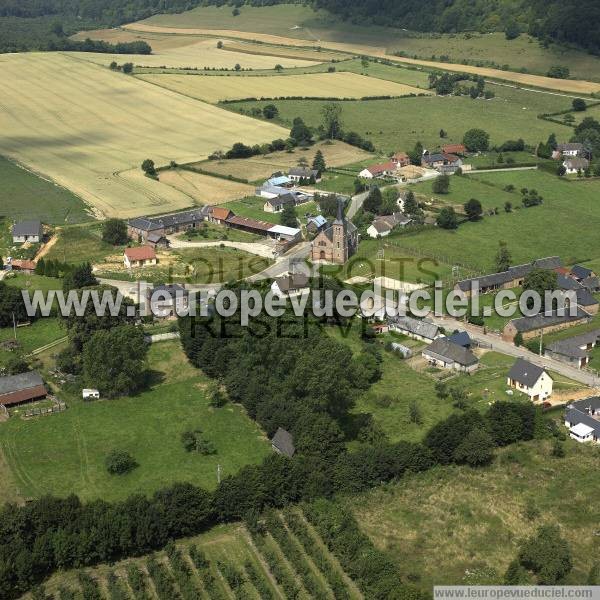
[[18, 389]]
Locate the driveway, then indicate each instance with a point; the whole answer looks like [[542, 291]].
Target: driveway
[[258, 248]]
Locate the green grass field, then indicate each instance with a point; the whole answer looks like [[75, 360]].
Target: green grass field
[[252, 207], [64, 453], [394, 125], [456, 525], [212, 232], [38, 334], [24, 195], [563, 225], [82, 244]]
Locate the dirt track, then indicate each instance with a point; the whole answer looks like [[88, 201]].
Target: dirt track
[[565, 85]]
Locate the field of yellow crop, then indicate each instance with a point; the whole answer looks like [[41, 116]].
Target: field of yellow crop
[[89, 129], [194, 52], [321, 85]]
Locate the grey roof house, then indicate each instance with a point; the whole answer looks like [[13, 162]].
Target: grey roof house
[[574, 350], [530, 379], [283, 442], [414, 328], [446, 354], [583, 420], [27, 231]]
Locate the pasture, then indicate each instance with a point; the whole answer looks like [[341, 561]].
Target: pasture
[[457, 525], [82, 244], [89, 129], [64, 453], [26, 195], [545, 230], [336, 154], [524, 52], [203, 189], [319, 85], [397, 124], [197, 53]]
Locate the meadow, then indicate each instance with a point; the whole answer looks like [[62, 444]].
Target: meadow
[[322, 85], [26, 195], [64, 453], [109, 123], [82, 244], [397, 124], [457, 525], [545, 230]]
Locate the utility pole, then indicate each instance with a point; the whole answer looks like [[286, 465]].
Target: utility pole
[[541, 341], [14, 326], [218, 473]]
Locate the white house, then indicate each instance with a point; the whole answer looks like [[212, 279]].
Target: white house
[[299, 173], [384, 225], [290, 285], [448, 355], [27, 231], [568, 150], [582, 417], [574, 165], [530, 379], [381, 170]]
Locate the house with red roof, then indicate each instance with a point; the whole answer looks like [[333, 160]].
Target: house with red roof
[[387, 169], [140, 256]]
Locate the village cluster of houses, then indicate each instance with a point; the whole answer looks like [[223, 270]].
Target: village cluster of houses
[[574, 157], [578, 279]]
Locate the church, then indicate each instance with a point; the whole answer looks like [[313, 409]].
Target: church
[[337, 243]]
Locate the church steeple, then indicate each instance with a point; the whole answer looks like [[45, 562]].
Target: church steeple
[[340, 243]]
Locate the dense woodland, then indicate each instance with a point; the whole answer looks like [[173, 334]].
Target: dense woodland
[[572, 21]]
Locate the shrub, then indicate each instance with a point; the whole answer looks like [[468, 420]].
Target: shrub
[[119, 462]]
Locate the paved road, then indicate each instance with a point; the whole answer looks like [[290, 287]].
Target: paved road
[[499, 345], [476, 171]]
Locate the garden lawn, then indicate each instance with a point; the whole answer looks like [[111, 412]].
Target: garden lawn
[[64, 453], [252, 207], [25, 195], [458, 525], [30, 337]]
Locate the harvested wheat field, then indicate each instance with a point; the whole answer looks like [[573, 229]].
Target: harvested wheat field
[[89, 129], [192, 52], [203, 189], [283, 51], [318, 85], [524, 79], [336, 154]]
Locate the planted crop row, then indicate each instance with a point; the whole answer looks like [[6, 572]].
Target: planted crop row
[[203, 567], [137, 582], [163, 582], [65, 594], [319, 557], [183, 573], [258, 580], [116, 588], [285, 580], [295, 557], [89, 587], [234, 578]]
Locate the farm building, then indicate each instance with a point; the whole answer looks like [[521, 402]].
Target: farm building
[[531, 327], [581, 273], [27, 231], [506, 279], [458, 149], [298, 174], [448, 355], [461, 338], [417, 329], [530, 379], [383, 225], [583, 420], [218, 214], [444, 163], [25, 266], [568, 150], [574, 350], [283, 443], [279, 180], [18, 389], [290, 284], [140, 228], [141, 256], [405, 351], [156, 240]]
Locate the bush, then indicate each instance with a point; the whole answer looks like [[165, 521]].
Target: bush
[[119, 462]]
